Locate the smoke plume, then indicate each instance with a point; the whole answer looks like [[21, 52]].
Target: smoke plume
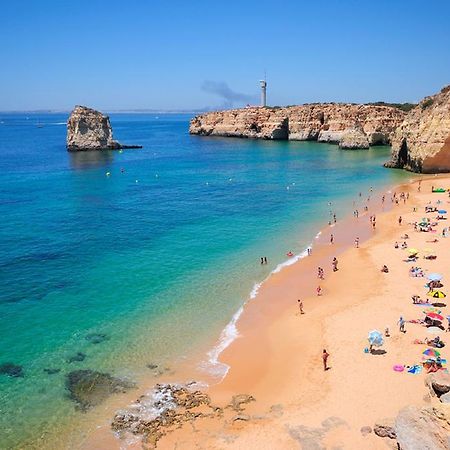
[[222, 90]]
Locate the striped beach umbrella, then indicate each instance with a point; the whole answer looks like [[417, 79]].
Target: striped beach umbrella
[[436, 294], [431, 352]]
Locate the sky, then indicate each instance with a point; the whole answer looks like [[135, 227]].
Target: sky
[[174, 55]]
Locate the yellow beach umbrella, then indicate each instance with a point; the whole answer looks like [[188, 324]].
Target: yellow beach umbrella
[[436, 294], [413, 251]]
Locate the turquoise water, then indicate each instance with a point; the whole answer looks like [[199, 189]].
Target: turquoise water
[[157, 258]]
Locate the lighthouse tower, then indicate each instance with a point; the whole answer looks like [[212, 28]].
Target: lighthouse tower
[[263, 84]]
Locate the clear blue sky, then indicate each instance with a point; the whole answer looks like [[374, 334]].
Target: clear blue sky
[[159, 54]]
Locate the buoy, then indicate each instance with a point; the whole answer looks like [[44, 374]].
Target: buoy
[[108, 174]]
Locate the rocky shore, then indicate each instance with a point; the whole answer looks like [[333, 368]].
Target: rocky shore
[[88, 129], [349, 125]]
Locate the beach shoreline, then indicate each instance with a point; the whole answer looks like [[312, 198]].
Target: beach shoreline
[[262, 360]]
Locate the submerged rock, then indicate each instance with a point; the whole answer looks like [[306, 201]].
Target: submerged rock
[[97, 338], [52, 371], [78, 357], [89, 388], [12, 370], [88, 129]]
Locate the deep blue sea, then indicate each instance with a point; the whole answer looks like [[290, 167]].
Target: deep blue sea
[[155, 258]]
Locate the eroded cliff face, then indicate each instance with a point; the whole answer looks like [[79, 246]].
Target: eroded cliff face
[[88, 129], [326, 122], [422, 142]]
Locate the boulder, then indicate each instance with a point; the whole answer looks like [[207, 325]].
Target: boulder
[[445, 398], [354, 138], [424, 429], [88, 129], [385, 429], [89, 388], [422, 142], [438, 383]]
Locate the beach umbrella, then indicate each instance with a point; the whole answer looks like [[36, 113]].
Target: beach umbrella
[[413, 251], [435, 316], [432, 310], [375, 338], [431, 352], [423, 224], [442, 211], [434, 330], [435, 277], [436, 294]]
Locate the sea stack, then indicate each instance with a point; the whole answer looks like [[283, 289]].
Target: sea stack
[[422, 142], [88, 129]]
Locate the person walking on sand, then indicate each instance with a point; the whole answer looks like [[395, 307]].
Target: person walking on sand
[[331, 239], [401, 322], [325, 356], [319, 291], [357, 242], [400, 220], [335, 264], [300, 306]]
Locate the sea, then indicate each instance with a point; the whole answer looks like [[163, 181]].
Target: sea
[[115, 261]]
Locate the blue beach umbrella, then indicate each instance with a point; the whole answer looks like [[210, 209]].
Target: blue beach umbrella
[[435, 277], [375, 338], [442, 211]]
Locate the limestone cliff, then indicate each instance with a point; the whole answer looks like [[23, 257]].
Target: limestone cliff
[[88, 129], [422, 142], [324, 122]]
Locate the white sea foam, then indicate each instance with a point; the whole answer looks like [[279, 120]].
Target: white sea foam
[[213, 365], [228, 335]]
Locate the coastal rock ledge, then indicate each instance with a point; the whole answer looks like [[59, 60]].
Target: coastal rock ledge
[[88, 129], [350, 125], [422, 142]]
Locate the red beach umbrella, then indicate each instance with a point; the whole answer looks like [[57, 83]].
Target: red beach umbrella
[[435, 316]]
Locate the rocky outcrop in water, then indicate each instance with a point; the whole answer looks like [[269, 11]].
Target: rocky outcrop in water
[[89, 388], [323, 122], [422, 142], [88, 129]]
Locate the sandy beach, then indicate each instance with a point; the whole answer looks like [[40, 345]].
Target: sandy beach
[[277, 357]]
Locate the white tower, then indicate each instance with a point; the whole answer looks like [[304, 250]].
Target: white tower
[[263, 84]]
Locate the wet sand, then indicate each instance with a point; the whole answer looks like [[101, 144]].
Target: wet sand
[[277, 357]]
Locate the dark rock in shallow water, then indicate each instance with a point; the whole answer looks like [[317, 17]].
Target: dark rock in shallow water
[[77, 357], [52, 371], [96, 338], [152, 366], [89, 388], [12, 370]]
